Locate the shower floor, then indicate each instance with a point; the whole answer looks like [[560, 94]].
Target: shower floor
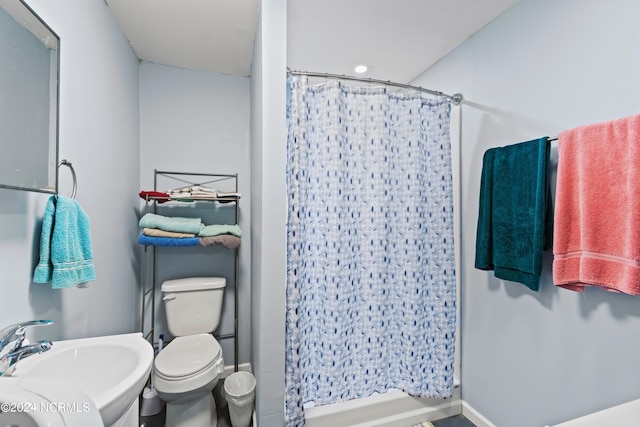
[[457, 421]]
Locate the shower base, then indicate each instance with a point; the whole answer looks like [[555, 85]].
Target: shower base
[[391, 409]]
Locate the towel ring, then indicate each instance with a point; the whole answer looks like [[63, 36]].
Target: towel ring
[[67, 163]]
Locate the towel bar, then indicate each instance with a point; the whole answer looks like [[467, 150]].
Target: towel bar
[[67, 163]]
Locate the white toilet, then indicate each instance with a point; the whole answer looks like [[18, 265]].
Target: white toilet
[[187, 369]]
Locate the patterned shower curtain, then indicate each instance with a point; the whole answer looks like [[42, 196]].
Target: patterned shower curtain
[[371, 298]]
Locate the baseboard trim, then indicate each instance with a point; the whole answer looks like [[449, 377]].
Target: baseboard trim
[[474, 416]]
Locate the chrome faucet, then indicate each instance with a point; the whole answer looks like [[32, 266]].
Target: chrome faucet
[[12, 348]]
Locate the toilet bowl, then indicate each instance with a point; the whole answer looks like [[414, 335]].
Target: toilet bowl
[[188, 368], [186, 372]]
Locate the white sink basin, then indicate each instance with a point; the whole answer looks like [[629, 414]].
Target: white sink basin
[[112, 370], [37, 402]]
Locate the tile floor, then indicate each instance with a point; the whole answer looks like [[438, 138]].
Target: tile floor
[[224, 421], [221, 407]]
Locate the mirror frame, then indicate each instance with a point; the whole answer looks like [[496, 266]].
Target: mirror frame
[[52, 187]]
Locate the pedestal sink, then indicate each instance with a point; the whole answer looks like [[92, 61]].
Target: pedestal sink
[[111, 370], [37, 402]]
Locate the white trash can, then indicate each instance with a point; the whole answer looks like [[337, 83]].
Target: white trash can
[[240, 391]]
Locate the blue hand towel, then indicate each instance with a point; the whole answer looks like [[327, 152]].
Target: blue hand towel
[[169, 223], [515, 220], [143, 239], [66, 257]]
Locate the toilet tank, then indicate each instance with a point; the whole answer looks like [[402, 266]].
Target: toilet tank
[[193, 305]]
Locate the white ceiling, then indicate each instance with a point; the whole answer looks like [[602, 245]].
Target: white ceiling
[[215, 35], [397, 39]]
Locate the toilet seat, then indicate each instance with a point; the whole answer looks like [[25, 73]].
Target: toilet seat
[[187, 356]]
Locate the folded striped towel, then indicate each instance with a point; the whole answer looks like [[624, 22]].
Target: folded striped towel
[[156, 232]]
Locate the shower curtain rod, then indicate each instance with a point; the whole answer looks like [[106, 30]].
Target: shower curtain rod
[[456, 98]]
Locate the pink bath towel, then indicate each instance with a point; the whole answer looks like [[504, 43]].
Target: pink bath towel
[[596, 240]]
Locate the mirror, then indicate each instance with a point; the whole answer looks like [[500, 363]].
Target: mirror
[[29, 58]]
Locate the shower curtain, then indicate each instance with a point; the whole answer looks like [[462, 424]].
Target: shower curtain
[[370, 257]]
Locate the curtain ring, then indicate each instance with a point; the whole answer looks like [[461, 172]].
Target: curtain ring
[[67, 163]]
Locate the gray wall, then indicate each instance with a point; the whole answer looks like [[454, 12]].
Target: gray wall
[[118, 122], [536, 358], [99, 135], [198, 121]]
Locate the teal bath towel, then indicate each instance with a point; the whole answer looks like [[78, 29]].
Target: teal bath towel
[[171, 223], [66, 257], [515, 220]]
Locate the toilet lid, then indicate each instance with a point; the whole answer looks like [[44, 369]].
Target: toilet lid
[[185, 356]]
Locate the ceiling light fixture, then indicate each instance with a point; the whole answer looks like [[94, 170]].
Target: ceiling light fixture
[[361, 69]]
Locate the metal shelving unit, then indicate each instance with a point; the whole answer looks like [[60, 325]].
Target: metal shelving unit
[[186, 179]]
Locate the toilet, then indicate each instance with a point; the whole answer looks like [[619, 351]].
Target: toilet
[[187, 369]]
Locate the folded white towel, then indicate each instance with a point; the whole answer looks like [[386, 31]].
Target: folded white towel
[[197, 188], [193, 189]]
